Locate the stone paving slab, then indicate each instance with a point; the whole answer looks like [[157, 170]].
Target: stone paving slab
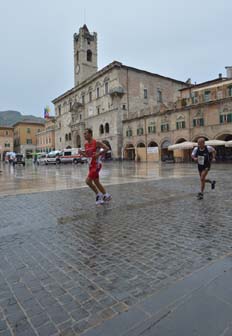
[[67, 266], [202, 308], [203, 311]]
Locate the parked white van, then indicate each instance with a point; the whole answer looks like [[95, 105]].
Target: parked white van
[[70, 156], [52, 157]]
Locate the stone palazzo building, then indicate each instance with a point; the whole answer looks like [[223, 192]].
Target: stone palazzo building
[[103, 100], [203, 110], [138, 114]]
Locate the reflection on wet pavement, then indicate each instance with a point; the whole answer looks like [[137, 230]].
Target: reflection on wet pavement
[[46, 178], [67, 265]]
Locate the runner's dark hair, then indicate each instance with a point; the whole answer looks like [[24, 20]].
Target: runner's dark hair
[[89, 131]]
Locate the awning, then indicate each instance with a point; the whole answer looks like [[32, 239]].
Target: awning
[[183, 145], [215, 142]]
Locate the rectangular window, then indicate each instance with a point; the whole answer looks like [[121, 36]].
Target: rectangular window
[[159, 96], [164, 128], [207, 96], [226, 118], [230, 91], [7, 133], [59, 110], [106, 88], [29, 141], [83, 99], [151, 129], [140, 131], [98, 110], [98, 92], [129, 133], [145, 95], [60, 139], [90, 96], [198, 122], [80, 116], [28, 130], [180, 124], [7, 145]]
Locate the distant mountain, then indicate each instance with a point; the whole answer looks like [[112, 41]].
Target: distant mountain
[[9, 118]]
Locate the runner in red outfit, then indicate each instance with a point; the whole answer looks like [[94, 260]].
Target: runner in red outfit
[[93, 153]]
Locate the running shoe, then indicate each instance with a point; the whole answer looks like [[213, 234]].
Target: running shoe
[[107, 197], [200, 196], [99, 200], [213, 184]]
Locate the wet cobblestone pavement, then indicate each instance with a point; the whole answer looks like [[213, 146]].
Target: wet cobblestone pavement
[[67, 265]]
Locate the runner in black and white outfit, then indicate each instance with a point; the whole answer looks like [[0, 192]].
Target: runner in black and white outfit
[[203, 155]]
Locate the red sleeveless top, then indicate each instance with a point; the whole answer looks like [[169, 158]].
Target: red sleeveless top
[[90, 150]]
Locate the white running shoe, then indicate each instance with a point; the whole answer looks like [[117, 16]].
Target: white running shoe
[[107, 197], [99, 199]]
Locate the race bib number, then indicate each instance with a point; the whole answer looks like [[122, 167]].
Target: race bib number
[[201, 160]]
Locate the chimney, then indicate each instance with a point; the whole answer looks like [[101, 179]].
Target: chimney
[[229, 72], [220, 76]]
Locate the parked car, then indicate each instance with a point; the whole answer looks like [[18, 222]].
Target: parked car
[[9, 157], [70, 156], [41, 159], [19, 159], [52, 157]]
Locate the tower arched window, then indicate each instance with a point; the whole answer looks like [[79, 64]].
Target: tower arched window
[[101, 129], [107, 128], [89, 55]]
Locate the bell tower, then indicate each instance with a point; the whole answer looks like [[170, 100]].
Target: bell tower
[[85, 54]]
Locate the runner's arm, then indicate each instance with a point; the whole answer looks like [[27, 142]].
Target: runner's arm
[[194, 154], [102, 145], [213, 151], [81, 152]]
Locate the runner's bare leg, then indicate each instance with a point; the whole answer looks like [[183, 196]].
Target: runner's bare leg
[[203, 176], [99, 186], [91, 185]]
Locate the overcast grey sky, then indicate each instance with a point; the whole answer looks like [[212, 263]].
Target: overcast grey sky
[[175, 38]]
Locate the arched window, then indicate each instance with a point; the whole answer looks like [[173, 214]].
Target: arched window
[[107, 128], [70, 136], [89, 55], [66, 137], [141, 145], [101, 129]]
